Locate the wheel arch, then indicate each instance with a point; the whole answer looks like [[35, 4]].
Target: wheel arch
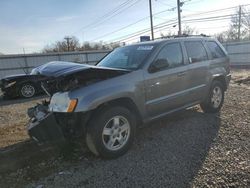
[[123, 102], [221, 78]]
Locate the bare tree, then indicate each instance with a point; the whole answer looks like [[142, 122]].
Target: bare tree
[[72, 44], [222, 37], [67, 44], [240, 25], [187, 30], [246, 23]]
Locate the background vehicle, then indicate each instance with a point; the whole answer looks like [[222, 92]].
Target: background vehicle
[[104, 104], [23, 85], [29, 85]]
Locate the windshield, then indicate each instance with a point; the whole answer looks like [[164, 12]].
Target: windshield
[[130, 57]]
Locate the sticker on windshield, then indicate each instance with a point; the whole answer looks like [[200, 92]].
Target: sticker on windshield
[[145, 47]]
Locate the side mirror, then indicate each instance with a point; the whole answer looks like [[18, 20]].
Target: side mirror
[[159, 64]]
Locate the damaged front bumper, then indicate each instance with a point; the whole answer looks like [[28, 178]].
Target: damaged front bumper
[[46, 129], [54, 127]]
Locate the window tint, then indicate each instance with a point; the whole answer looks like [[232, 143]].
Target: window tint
[[215, 50], [196, 51], [172, 53]]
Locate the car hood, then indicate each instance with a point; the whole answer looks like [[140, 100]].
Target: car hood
[[65, 76], [62, 68], [13, 77]]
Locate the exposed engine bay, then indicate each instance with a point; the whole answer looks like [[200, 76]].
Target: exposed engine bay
[[78, 79]]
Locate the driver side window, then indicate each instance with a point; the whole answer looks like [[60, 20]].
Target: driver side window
[[171, 54]]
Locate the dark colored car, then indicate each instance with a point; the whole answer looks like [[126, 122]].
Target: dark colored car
[[29, 85], [23, 85]]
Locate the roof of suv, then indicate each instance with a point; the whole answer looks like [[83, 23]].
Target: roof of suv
[[174, 38]]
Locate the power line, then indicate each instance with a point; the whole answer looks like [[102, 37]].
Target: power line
[[193, 2], [206, 19], [212, 11], [187, 16], [125, 27], [119, 12], [162, 25], [112, 13], [163, 3], [145, 30], [120, 29]]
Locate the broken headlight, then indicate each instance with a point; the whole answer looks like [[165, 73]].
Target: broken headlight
[[60, 102]]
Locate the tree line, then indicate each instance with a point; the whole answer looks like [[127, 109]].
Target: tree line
[[71, 43], [239, 27]]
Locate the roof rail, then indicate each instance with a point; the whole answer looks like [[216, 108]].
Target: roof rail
[[183, 35]]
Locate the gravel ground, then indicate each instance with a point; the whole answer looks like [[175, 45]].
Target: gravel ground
[[13, 119], [187, 149]]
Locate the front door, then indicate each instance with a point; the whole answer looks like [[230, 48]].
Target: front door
[[165, 81]]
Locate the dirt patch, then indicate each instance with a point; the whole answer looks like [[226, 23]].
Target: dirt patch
[[13, 120], [241, 77], [244, 81]]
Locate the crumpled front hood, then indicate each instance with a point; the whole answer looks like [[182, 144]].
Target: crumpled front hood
[[58, 68], [16, 76], [62, 68], [65, 76]]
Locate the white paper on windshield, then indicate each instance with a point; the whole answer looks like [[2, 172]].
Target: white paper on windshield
[[145, 47]]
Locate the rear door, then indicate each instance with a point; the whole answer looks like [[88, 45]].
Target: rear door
[[217, 55], [197, 73], [166, 87]]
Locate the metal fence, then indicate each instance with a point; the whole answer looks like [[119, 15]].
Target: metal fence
[[19, 64], [239, 53]]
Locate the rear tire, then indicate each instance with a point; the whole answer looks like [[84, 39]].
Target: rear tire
[[215, 99], [111, 132]]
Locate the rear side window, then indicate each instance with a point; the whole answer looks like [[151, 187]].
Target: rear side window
[[215, 50], [196, 51]]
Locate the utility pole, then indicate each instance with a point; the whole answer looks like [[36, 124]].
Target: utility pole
[[239, 25], [179, 16], [25, 68], [67, 39], [151, 20]]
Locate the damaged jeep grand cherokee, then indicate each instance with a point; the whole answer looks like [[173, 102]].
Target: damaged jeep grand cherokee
[[104, 104]]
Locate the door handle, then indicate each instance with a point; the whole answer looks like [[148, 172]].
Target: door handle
[[181, 73]]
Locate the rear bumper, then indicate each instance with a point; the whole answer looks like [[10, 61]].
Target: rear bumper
[[46, 130]]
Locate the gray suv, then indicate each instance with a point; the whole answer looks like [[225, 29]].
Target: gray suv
[[103, 105]]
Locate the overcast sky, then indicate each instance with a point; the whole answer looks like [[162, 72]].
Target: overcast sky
[[32, 24]]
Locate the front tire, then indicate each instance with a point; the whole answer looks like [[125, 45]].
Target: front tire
[[215, 98], [27, 90], [111, 132]]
